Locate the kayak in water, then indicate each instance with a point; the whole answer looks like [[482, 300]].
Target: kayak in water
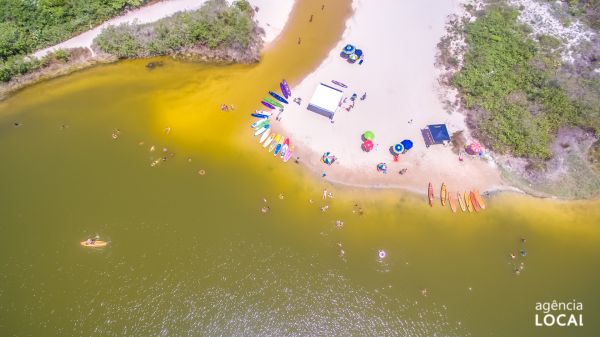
[[92, 243], [277, 97]]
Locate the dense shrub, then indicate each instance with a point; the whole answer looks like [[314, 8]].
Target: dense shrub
[[508, 79], [215, 24]]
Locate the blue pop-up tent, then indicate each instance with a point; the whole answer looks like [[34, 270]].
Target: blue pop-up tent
[[439, 133]]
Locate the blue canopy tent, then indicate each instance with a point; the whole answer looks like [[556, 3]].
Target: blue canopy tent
[[435, 134]]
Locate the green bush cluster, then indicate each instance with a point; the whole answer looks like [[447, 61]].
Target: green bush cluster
[[28, 25], [508, 80], [215, 24], [20, 65]]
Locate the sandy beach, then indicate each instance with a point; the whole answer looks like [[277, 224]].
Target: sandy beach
[[271, 16], [403, 96]]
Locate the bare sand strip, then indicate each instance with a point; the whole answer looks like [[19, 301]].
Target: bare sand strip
[[399, 39], [272, 16]]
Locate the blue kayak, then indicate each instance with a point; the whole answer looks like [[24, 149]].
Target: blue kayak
[[277, 149], [259, 115], [277, 97]]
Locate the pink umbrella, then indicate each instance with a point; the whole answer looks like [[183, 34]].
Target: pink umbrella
[[367, 145], [475, 148]]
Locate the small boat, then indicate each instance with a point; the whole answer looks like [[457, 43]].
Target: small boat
[[443, 195], [480, 200], [273, 102], [285, 88], [269, 140], [339, 83], [259, 123], [277, 97], [277, 149], [461, 201], [452, 202], [468, 202], [288, 154], [268, 105], [474, 202], [274, 143], [284, 148], [94, 243], [264, 136], [430, 194], [259, 115], [261, 130]]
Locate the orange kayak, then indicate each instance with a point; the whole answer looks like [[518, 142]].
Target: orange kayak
[[461, 201], [480, 200], [94, 244], [452, 202], [430, 194], [443, 195], [474, 201], [468, 202]]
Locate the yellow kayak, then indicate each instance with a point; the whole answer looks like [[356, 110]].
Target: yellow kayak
[[94, 243], [468, 202], [443, 194], [479, 199]]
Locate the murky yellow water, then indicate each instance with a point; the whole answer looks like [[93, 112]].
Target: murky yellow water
[[193, 255]]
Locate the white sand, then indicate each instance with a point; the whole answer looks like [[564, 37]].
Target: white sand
[[272, 17], [399, 39]]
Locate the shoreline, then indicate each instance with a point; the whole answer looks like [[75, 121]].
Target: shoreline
[[272, 19], [404, 98]]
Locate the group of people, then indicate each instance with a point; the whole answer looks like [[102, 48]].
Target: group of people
[[227, 107]]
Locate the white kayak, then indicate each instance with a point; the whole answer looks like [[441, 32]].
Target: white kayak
[[259, 123], [268, 141], [264, 136], [261, 130]]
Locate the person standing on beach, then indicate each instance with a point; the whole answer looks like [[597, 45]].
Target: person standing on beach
[[299, 40], [322, 7], [311, 18]]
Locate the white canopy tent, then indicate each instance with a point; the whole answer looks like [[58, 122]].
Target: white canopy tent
[[325, 100]]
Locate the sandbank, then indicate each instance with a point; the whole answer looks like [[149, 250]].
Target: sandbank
[[403, 96]]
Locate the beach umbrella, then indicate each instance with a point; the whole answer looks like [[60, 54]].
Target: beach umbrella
[[382, 167], [328, 158], [407, 143], [475, 148], [398, 148], [349, 49], [358, 52], [368, 145], [369, 135], [352, 57]]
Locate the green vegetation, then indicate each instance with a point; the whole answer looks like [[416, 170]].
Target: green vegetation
[[26, 26], [588, 9], [510, 83], [216, 24]]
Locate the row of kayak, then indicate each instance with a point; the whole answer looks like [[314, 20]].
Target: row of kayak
[[275, 100], [276, 143], [468, 201]]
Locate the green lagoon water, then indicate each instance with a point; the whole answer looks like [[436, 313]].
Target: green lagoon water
[[192, 255]]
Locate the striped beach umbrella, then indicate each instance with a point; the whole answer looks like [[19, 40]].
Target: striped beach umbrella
[[382, 167], [349, 49], [328, 158], [398, 148]]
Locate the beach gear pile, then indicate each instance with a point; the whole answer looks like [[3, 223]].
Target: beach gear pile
[[276, 143], [352, 54]]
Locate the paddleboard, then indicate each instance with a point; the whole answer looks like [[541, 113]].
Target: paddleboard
[[274, 143], [284, 148], [277, 97], [268, 141], [468, 202], [261, 130], [273, 102], [288, 92], [474, 202], [264, 136], [452, 202], [288, 155], [268, 105], [443, 194], [259, 123], [430, 194], [480, 200], [95, 244]]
